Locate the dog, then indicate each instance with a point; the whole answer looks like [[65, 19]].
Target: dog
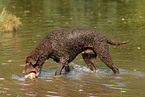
[[64, 45]]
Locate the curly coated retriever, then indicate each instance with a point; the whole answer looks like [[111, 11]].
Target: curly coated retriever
[[64, 45]]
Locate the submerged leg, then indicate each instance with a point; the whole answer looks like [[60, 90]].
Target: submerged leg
[[89, 57], [67, 68]]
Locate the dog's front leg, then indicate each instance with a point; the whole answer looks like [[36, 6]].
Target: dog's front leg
[[59, 69], [63, 62]]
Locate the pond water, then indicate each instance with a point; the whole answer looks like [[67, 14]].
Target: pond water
[[117, 19]]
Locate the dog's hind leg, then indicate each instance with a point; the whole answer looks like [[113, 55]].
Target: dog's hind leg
[[103, 52], [89, 57]]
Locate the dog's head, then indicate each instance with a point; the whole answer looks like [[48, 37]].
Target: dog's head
[[31, 66]]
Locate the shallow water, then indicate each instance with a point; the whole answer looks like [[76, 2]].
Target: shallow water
[[119, 20]]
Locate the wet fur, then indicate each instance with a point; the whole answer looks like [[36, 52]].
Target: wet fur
[[64, 45]]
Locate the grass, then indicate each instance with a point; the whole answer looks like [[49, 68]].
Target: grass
[[9, 22]]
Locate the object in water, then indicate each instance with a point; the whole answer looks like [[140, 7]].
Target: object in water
[[138, 48], [80, 90], [31, 75]]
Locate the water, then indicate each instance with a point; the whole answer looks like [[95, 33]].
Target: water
[[120, 20]]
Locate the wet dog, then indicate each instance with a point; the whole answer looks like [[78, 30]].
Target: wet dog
[[64, 45]]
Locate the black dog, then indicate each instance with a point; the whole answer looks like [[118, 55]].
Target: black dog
[[64, 45]]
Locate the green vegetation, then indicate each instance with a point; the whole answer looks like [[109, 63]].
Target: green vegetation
[[9, 22]]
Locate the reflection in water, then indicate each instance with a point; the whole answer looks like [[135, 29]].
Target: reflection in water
[[116, 85]]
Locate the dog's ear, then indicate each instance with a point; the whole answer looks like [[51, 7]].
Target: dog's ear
[[31, 60]]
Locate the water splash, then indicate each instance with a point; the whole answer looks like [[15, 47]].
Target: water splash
[[18, 78], [78, 71]]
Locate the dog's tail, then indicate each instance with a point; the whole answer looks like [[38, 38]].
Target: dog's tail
[[110, 41]]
